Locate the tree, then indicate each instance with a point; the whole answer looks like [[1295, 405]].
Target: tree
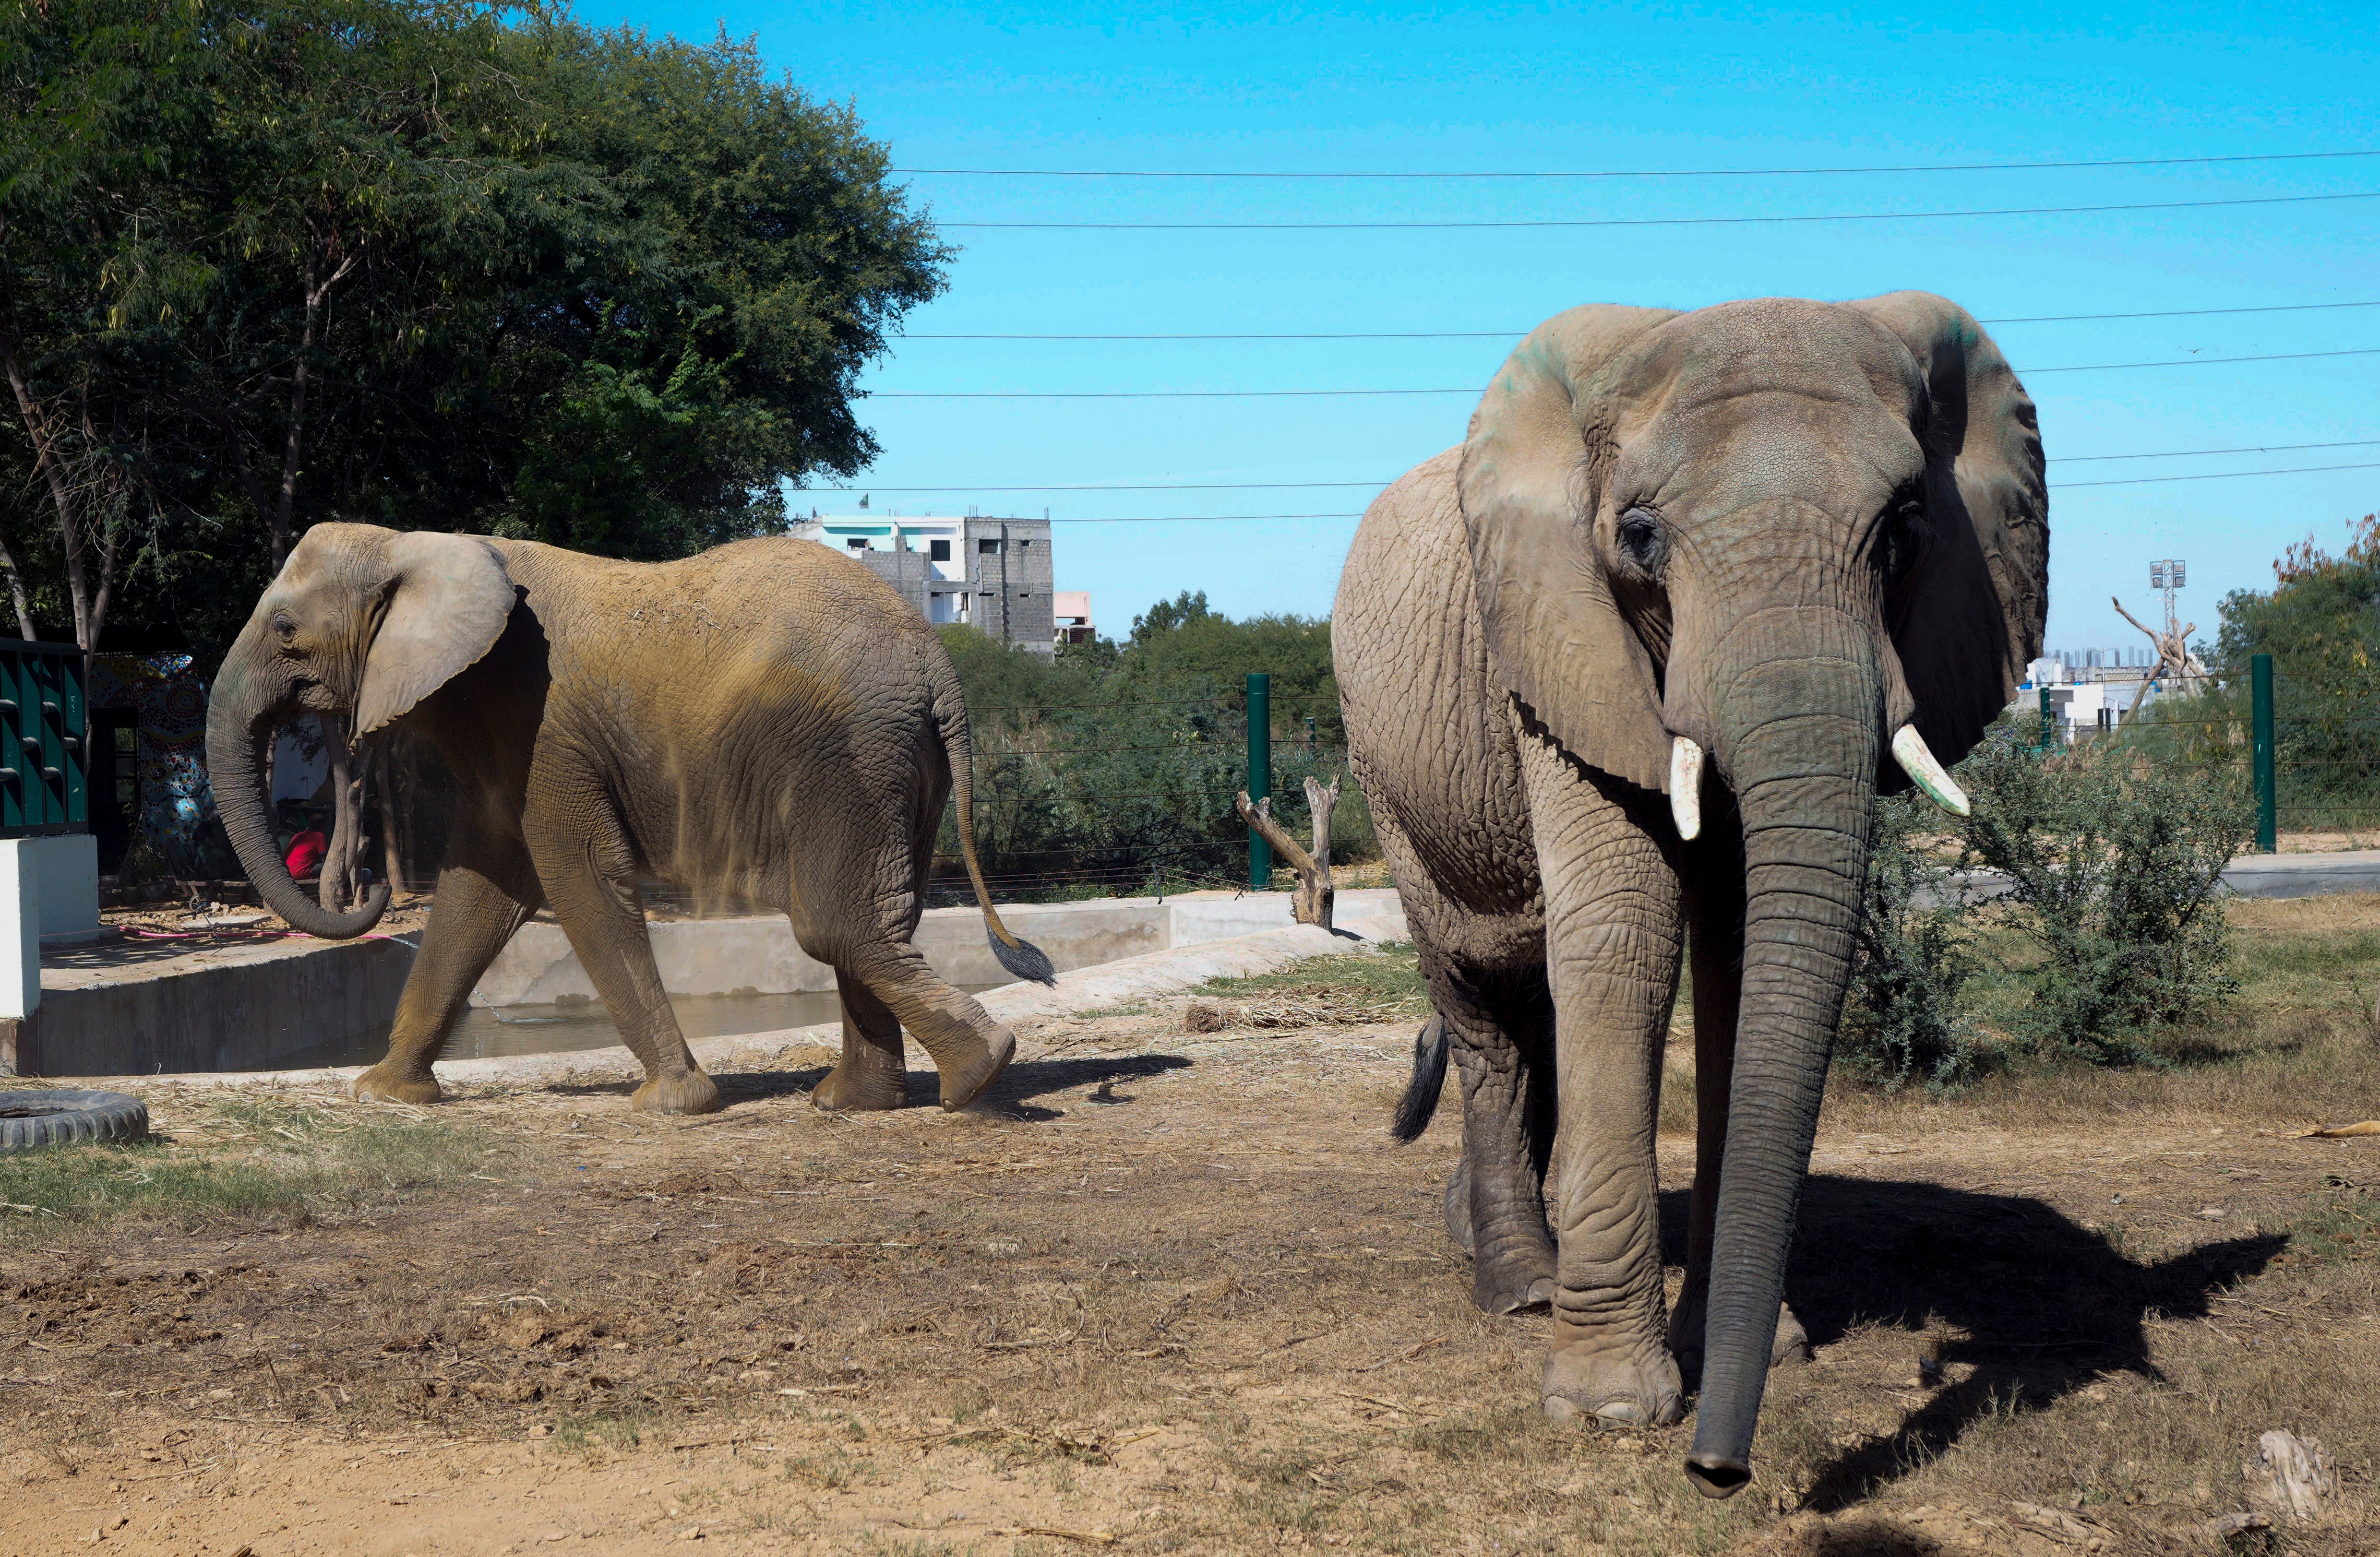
[[2321, 624], [424, 264]]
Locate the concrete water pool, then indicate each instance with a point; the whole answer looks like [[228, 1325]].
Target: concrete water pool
[[282, 1001]]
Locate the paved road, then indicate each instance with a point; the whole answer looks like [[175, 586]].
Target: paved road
[[2251, 875]]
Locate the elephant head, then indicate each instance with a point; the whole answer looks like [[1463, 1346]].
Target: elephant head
[[362, 624], [1804, 543]]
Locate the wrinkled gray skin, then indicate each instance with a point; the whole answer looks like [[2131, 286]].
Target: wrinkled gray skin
[[1782, 530], [767, 721]]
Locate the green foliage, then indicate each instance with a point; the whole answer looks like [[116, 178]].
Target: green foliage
[[2321, 624], [2113, 863], [1901, 1022], [1115, 767], [418, 263]]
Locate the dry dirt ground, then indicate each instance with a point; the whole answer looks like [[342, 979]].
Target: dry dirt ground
[[1166, 1293]]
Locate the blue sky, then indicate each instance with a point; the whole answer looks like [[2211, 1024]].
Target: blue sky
[[1654, 89]]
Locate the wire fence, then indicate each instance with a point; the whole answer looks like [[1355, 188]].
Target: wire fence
[[1117, 797], [2308, 752]]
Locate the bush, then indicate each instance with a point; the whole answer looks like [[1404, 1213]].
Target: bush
[[1901, 1023], [2113, 861], [1113, 768]]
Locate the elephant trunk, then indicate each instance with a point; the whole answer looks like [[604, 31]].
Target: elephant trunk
[[240, 721], [1797, 715]]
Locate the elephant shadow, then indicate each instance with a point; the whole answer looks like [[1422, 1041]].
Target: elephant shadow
[[1012, 1095], [2045, 1304]]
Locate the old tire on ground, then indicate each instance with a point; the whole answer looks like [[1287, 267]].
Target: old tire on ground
[[31, 1120]]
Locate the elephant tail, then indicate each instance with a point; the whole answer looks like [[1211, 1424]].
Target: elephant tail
[[1420, 1102], [1020, 957]]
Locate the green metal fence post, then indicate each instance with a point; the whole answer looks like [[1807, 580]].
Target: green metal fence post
[[2049, 721], [1259, 773], [2260, 682]]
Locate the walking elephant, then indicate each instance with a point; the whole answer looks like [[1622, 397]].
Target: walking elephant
[[1770, 557], [768, 721]]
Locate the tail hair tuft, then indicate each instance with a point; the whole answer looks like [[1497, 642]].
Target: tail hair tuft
[[1023, 958], [1420, 1102]]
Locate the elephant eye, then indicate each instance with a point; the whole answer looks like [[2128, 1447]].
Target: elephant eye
[[283, 627], [1641, 540], [1904, 538]]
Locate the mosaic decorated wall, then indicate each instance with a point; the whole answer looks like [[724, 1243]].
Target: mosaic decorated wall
[[177, 811]]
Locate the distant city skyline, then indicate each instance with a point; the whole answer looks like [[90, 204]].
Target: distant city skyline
[[1631, 89]]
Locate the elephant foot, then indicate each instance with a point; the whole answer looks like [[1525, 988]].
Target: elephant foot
[[690, 1092], [967, 1081], [1789, 1348], [1507, 1282], [381, 1085], [1612, 1387], [1512, 1288], [1792, 1348], [862, 1088]]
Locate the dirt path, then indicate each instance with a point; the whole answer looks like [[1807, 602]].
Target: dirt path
[[1168, 1294]]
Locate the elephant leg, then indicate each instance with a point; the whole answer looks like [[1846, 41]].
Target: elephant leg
[[1495, 1200], [1613, 937], [486, 891], [873, 1072], [592, 886], [968, 1048], [1715, 907]]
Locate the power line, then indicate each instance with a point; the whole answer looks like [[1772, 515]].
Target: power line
[[1306, 486], [1516, 334], [2216, 476], [2056, 486], [1643, 172], [2194, 454], [1647, 221], [1474, 389]]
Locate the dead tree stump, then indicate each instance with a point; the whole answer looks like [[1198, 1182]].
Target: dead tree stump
[[1312, 904]]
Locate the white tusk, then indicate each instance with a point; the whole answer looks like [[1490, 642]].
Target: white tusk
[[1909, 751], [1686, 788]]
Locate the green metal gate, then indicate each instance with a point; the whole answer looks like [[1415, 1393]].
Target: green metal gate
[[44, 727]]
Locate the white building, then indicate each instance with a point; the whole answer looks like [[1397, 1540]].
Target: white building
[[990, 573]]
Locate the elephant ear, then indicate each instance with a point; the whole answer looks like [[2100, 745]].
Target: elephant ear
[[1532, 475], [443, 603], [1972, 618]]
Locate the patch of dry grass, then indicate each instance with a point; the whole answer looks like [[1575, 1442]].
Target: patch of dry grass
[[2298, 1046]]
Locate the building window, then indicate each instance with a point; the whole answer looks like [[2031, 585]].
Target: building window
[[1024, 545], [857, 545], [987, 548], [938, 550]]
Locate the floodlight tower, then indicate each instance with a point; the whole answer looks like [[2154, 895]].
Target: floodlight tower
[[2169, 574]]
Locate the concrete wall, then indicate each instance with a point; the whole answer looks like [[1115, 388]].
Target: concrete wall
[[67, 865], [723, 957], [139, 1009]]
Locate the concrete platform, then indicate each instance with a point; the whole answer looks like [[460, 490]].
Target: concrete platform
[[757, 956], [133, 1007], [129, 1007]]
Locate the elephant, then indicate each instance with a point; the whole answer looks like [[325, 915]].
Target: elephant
[[1769, 559], [767, 720]]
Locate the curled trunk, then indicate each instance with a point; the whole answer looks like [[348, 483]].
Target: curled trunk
[[238, 726], [1799, 734]]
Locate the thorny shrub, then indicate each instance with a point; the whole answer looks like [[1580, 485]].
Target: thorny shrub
[[2113, 863], [1901, 1023]]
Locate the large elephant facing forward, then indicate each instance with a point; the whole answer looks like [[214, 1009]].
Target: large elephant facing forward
[[767, 720], [1803, 544]]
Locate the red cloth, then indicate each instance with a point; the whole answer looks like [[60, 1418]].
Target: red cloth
[[306, 852]]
